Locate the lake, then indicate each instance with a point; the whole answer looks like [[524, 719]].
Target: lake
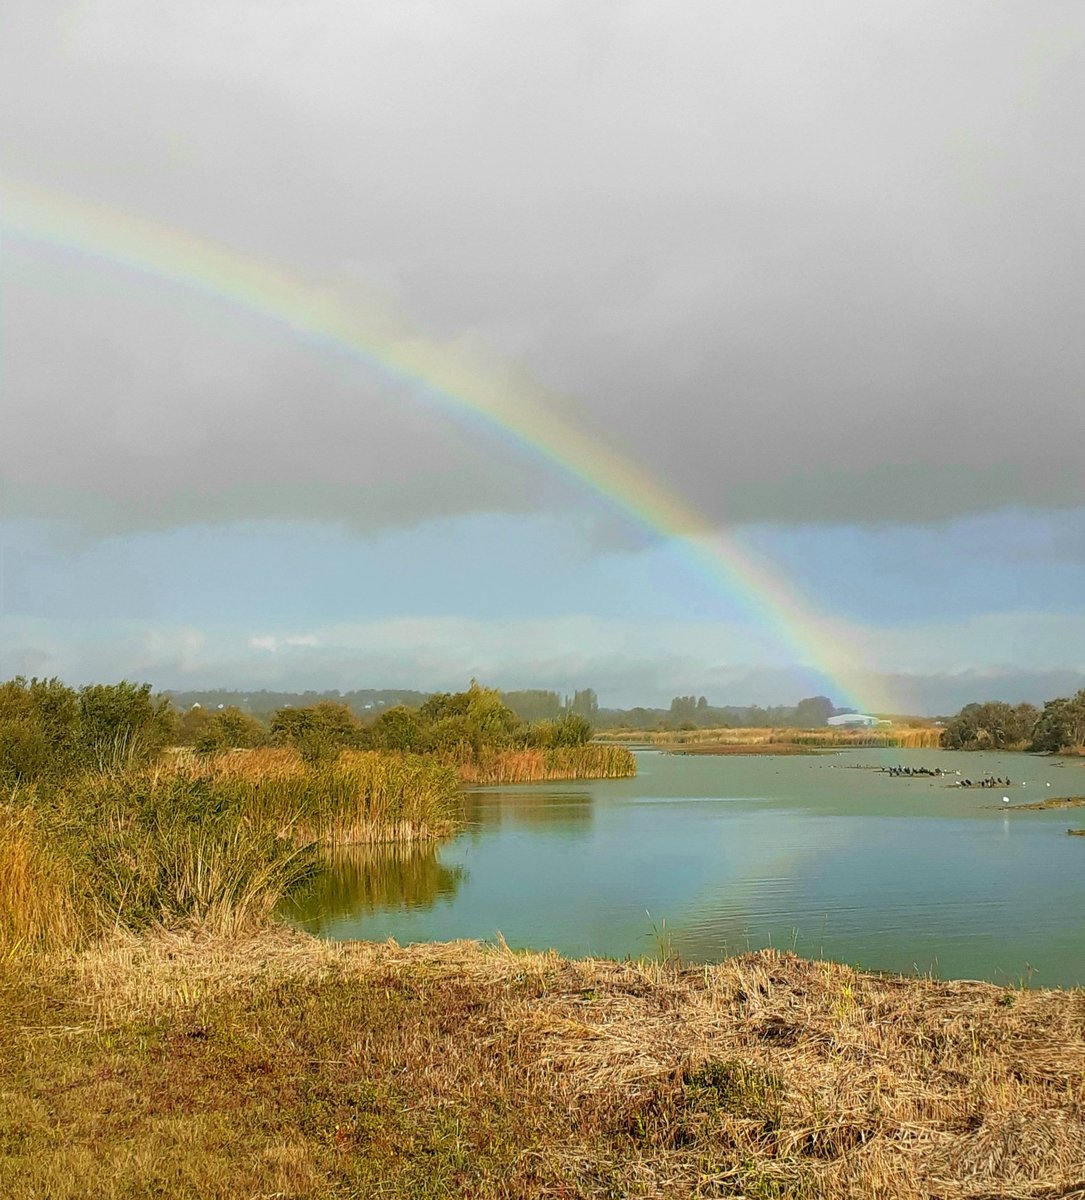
[[710, 856]]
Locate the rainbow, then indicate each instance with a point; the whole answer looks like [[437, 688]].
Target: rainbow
[[462, 380]]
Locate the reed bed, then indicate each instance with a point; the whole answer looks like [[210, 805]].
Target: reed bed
[[37, 909], [685, 737], [901, 737], [275, 1064], [591, 761], [361, 796], [842, 739], [216, 842]]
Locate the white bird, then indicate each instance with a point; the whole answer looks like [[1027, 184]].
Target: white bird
[[1005, 799]]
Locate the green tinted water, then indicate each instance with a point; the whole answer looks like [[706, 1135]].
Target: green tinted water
[[724, 854]]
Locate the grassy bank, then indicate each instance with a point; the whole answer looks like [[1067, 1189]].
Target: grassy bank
[[277, 1065], [591, 761]]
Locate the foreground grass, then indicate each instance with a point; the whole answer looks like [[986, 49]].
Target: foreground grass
[[277, 1065]]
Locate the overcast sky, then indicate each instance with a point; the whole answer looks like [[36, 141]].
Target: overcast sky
[[818, 268]]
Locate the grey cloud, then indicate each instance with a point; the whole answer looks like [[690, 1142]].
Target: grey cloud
[[130, 411], [809, 263]]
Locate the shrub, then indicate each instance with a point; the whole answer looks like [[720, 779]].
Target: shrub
[[318, 732], [229, 729], [122, 723]]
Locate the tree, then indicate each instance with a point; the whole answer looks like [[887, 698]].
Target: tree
[[585, 703], [192, 724], [38, 726], [993, 725], [229, 729], [569, 730], [534, 704], [487, 722], [398, 728], [1061, 725], [814, 711], [684, 708], [319, 731]]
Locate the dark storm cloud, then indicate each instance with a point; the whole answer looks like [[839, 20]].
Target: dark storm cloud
[[809, 262]]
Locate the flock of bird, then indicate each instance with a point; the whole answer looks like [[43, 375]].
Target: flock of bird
[[989, 781]]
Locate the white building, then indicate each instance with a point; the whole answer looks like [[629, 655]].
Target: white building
[[855, 721]]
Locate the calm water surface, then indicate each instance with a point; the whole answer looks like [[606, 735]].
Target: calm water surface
[[730, 853]]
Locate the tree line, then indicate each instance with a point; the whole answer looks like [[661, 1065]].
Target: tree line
[[995, 725], [532, 704], [695, 712], [49, 730]]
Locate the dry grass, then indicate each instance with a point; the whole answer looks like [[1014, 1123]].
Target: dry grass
[[842, 739], [217, 842], [277, 1065], [592, 761], [362, 796], [36, 894], [688, 737], [721, 741]]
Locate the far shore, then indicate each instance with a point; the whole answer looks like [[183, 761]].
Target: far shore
[[738, 748]]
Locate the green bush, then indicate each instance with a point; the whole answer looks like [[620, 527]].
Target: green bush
[[318, 732], [48, 730], [229, 729]]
